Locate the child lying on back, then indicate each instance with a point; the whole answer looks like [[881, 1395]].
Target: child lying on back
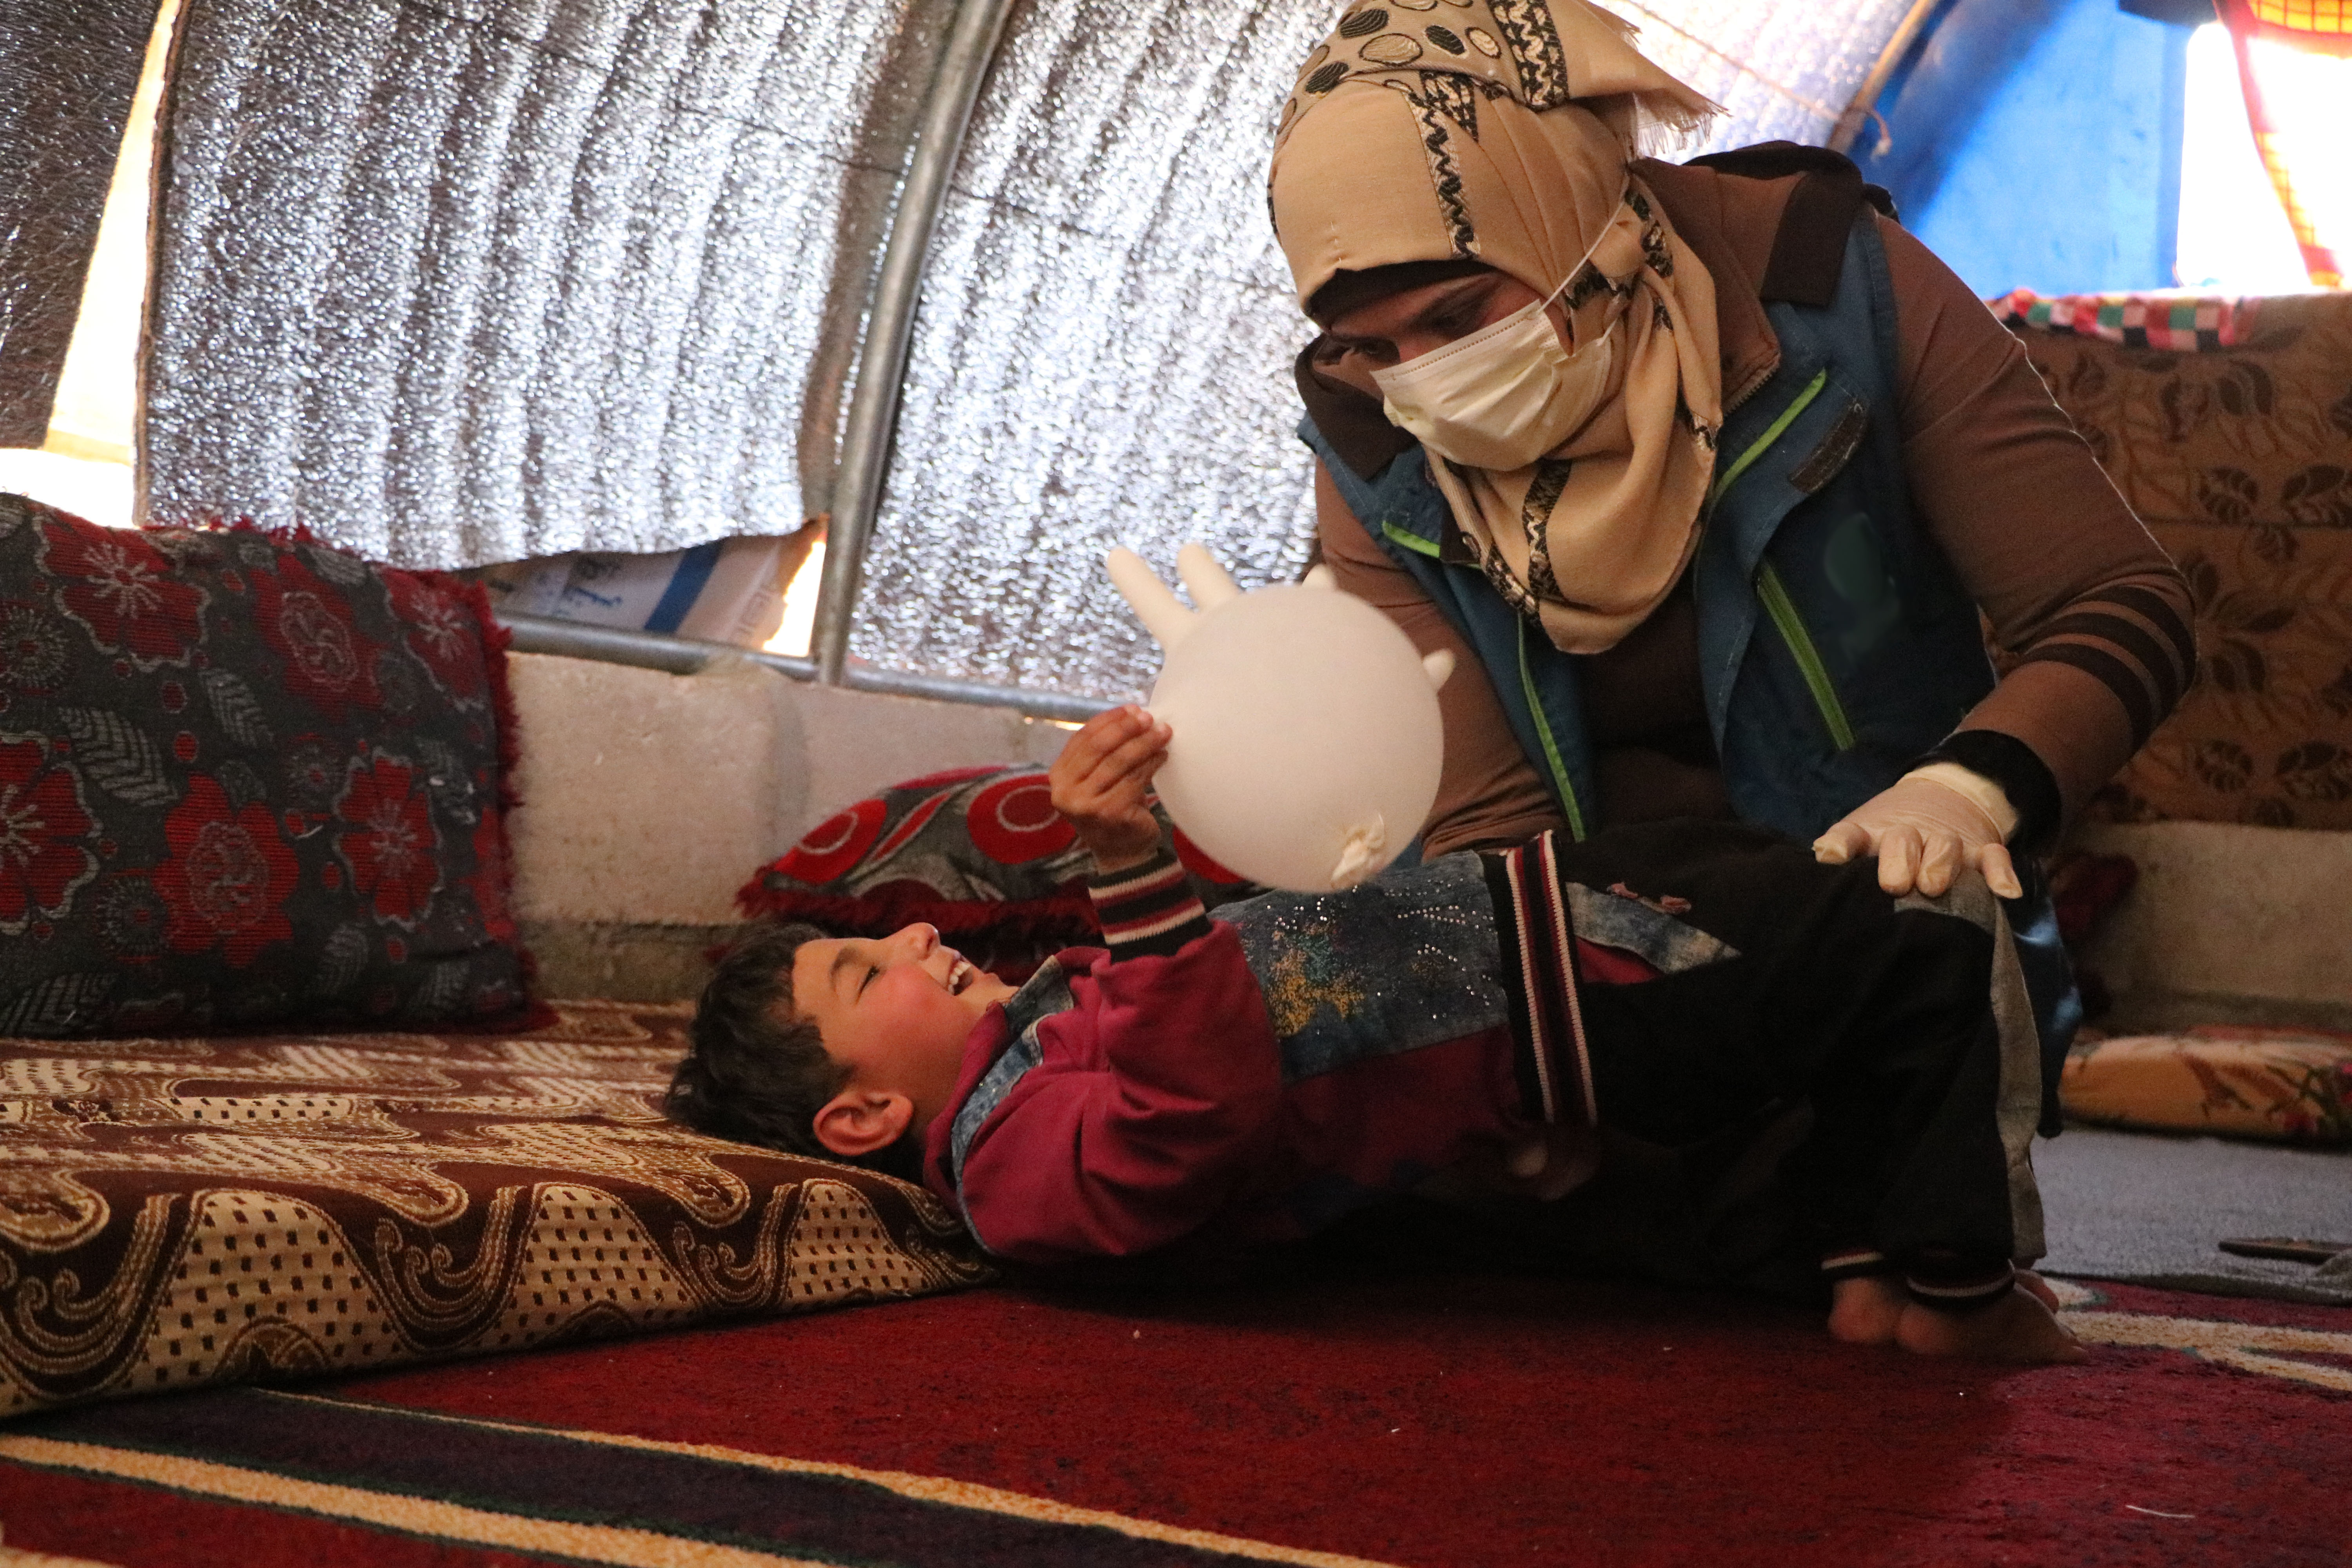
[[1253, 1077]]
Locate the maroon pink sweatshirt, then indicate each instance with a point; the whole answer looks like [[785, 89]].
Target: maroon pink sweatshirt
[[1253, 1077]]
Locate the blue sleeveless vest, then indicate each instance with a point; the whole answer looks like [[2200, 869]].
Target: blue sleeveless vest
[[1836, 643]]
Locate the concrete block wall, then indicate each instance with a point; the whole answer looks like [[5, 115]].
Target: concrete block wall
[[2227, 924], [648, 799]]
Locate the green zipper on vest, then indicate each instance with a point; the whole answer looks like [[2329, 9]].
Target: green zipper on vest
[[1775, 593], [1411, 540], [1415, 542], [1756, 447], [1783, 611], [1550, 746]]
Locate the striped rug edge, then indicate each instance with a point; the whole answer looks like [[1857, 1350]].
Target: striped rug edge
[[422, 1517], [909, 1484], [537, 1533]]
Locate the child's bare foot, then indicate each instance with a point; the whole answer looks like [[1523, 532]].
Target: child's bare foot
[[1866, 1312], [2017, 1328], [2038, 1286]]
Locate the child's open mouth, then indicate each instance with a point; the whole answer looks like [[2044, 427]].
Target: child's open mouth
[[960, 976]]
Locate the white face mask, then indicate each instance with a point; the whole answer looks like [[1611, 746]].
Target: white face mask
[[1506, 395]]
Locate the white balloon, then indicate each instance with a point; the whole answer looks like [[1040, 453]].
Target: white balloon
[[1306, 739]]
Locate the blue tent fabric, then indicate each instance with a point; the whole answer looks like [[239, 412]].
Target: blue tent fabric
[[2036, 144]]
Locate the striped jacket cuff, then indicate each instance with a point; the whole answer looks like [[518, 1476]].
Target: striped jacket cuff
[[1147, 909], [1842, 1263], [1950, 1287]]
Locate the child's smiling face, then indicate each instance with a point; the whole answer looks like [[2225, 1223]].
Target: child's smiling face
[[895, 1011]]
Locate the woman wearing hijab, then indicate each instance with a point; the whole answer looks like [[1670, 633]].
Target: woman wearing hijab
[[1710, 472]]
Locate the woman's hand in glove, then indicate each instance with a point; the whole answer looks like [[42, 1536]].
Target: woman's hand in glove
[[1925, 828]]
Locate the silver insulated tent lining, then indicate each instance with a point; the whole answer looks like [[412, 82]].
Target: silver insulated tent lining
[[1102, 355], [456, 283], [473, 281], [68, 68]]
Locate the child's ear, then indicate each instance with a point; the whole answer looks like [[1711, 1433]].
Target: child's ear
[[861, 1121]]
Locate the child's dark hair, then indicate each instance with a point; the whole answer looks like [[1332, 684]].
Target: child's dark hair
[[758, 1072]]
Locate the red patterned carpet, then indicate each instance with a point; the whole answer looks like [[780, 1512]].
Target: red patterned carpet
[[1421, 1422]]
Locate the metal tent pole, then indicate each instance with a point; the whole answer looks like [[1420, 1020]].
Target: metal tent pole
[[1865, 104], [882, 363]]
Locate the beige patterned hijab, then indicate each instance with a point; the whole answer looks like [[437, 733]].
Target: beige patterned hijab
[[1502, 129]]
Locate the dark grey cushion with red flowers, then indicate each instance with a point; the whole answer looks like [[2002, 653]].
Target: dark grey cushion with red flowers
[[244, 783]]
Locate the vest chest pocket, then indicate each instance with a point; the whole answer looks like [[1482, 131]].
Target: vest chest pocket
[[1866, 604], [1835, 450], [1850, 563]]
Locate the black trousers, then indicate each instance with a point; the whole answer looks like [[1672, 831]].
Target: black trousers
[[1790, 1067]]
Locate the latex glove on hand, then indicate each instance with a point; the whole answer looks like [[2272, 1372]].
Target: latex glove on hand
[[1926, 826]]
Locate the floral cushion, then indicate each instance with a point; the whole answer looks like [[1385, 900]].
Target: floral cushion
[[2237, 455], [2248, 1083], [243, 783], [977, 852]]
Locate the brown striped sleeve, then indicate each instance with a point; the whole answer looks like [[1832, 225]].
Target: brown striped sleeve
[[2097, 615], [2135, 640], [1147, 909]]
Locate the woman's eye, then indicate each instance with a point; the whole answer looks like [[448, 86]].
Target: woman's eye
[[1456, 319], [870, 972]]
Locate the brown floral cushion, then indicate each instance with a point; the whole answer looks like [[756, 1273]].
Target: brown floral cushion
[[187, 1211], [2239, 458], [2289, 1085], [244, 781]]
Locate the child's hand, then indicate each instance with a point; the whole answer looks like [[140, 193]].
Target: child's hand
[[1102, 781]]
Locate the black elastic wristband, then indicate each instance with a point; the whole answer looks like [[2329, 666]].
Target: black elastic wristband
[[2019, 770]]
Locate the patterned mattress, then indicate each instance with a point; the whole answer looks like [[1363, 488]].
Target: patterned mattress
[[183, 1212]]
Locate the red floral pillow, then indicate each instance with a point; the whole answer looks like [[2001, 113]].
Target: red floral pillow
[[244, 783], [977, 852]]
